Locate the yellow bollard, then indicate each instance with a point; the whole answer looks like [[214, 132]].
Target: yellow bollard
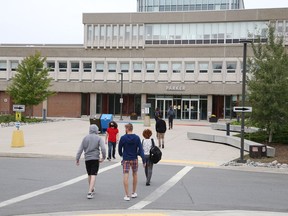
[[17, 139]]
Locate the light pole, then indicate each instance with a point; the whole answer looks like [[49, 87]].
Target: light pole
[[121, 97], [245, 42]]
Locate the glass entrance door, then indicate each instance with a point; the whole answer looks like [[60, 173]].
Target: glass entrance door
[[163, 105], [190, 109]]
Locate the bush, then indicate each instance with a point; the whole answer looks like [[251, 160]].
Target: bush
[[11, 118]]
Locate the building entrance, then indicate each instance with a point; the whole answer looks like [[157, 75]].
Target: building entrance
[[163, 105], [190, 109]]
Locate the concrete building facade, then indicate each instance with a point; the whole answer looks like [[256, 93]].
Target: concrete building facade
[[190, 60]]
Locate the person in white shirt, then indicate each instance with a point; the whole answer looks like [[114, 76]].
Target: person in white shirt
[[148, 143]]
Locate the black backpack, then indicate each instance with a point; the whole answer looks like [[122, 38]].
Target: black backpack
[[155, 153]]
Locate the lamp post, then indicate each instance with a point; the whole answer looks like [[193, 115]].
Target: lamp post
[[245, 42], [121, 97]]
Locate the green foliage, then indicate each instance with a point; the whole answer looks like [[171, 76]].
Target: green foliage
[[30, 85], [11, 118], [268, 84]]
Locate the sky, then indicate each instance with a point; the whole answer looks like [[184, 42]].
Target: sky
[[60, 21]]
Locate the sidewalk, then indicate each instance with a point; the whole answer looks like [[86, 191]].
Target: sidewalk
[[61, 139]]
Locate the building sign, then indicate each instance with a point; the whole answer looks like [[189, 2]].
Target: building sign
[[175, 88]]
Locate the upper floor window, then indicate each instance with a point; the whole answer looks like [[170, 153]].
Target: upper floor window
[[190, 67], [176, 67], [99, 67], [150, 67], [51, 65], [124, 67], [231, 67], [3, 65], [75, 66], [14, 65], [163, 67], [217, 67], [137, 67], [87, 66], [203, 67], [112, 67], [62, 66]]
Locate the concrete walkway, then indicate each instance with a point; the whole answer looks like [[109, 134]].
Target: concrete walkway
[[62, 139]]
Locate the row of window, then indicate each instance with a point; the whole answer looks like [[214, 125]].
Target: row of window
[[187, 5], [137, 67]]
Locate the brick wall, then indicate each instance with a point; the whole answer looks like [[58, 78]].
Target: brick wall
[[64, 105]]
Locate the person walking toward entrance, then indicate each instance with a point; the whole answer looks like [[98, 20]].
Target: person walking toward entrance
[[92, 144], [112, 136], [156, 114], [129, 147], [160, 129], [147, 144], [170, 114]]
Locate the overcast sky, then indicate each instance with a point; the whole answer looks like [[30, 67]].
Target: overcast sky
[[60, 21]]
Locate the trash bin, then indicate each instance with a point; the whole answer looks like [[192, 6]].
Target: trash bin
[[97, 122], [257, 151], [105, 119]]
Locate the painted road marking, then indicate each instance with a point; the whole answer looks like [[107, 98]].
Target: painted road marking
[[189, 162], [162, 189], [127, 214], [53, 188]]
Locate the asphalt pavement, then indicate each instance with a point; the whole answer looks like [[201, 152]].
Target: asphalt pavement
[[60, 140]]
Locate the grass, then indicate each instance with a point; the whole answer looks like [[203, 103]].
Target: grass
[[11, 118]]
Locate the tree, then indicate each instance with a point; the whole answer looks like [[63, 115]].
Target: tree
[[30, 85], [268, 84]]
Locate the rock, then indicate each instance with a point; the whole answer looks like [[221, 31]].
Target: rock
[[274, 163]]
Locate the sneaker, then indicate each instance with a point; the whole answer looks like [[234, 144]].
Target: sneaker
[[114, 157], [134, 195], [162, 146], [109, 159], [127, 198], [147, 184], [89, 195]]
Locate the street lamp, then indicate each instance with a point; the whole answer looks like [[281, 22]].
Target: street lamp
[[121, 97], [245, 42]]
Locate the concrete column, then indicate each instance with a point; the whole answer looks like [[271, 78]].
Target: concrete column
[[210, 105], [143, 102], [93, 97]]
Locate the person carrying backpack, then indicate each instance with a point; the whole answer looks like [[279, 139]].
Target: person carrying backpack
[[170, 114], [147, 144], [160, 129]]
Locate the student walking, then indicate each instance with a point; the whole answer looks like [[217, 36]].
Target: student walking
[[156, 114], [128, 148], [170, 114], [92, 144], [112, 137], [147, 144], [160, 129]]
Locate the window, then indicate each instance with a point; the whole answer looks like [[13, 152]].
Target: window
[[100, 67], [51, 66], [87, 66], [3, 65], [163, 67], [112, 67], [190, 67], [231, 67], [62, 66], [203, 67], [75, 66], [14, 65], [176, 67], [124, 67], [217, 67], [137, 67], [150, 67]]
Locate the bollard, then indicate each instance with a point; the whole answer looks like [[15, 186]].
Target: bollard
[[17, 137], [44, 114], [228, 129]]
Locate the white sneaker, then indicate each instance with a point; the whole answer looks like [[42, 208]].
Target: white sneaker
[[127, 198], [134, 195], [90, 196]]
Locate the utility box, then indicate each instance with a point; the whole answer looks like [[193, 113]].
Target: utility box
[[105, 119], [96, 121], [257, 151]]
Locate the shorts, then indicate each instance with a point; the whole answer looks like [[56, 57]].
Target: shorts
[[130, 163], [160, 135], [92, 167]]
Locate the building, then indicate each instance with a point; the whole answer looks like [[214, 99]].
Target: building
[[191, 60], [188, 5]]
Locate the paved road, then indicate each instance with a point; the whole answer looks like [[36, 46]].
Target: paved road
[[60, 186]]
